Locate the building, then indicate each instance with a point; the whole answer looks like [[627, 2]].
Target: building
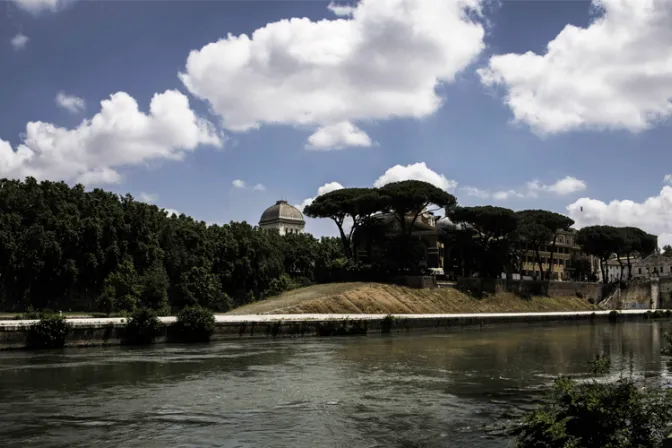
[[370, 248], [655, 265], [282, 217], [567, 252]]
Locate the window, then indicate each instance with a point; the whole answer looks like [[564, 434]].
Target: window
[[640, 270]]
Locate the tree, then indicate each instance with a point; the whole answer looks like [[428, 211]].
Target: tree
[[667, 250], [358, 204], [601, 242], [554, 224], [534, 235], [493, 226], [407, 199], [636, 242]]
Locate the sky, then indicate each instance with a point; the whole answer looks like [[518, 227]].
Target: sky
[[217, 109]]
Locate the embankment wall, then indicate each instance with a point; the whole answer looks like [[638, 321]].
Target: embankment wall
[[533, 287], [97, 332]]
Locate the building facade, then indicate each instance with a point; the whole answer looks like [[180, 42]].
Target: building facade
[[567, 253], [283, 218]]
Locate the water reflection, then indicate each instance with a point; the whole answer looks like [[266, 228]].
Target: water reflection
[[430, 390]]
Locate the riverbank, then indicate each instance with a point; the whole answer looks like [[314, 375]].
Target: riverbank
[[111, 331], [378, 298]]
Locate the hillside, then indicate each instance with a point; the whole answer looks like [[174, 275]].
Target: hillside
[[377, 298]]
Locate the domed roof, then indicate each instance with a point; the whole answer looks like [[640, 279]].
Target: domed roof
[[281, 211]]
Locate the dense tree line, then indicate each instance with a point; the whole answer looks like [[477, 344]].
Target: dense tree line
[[481, 240], [64, 248]]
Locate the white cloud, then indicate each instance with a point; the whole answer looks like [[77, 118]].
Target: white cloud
[[19, 41], [38, 6], [565, 186], [148, 197], [668, 179], [416, 171], [653, 215], [326, 188], [386, 61], [338, 136], [71, 103], [341, 10], [532, 189], [259, 187], [238, 183], [119, 135], [475, 192], [614, 74]]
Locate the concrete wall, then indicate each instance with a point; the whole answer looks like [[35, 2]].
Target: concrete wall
[[13, 335]]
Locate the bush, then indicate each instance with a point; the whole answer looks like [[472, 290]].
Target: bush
[[49, 332], [579, 294], [195, 324], [143, 327], [596, 414], [387, 324]]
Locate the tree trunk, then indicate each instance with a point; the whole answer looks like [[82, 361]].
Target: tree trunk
[[620, 264], [629, 268], [541, 266], [549, 272], [603, 263], [345, 241]]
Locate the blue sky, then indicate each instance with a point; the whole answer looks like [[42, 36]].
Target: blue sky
[[351, 95]]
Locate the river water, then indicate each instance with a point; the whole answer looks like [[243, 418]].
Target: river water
[[411, 390]]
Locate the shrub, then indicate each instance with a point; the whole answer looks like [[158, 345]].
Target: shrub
[[49, 332], [386, 324], [195, 324], [143, 327], [579, 294], [596, 414]]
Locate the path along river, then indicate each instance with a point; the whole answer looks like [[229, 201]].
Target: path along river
[[412, 390]]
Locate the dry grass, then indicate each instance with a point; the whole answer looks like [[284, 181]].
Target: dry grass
[[376, 298]]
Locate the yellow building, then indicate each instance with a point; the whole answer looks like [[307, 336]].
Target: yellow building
[[566, 250]]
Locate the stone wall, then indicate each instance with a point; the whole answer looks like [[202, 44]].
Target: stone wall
[[532, 287]]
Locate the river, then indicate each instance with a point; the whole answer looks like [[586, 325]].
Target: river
[[411, 390]]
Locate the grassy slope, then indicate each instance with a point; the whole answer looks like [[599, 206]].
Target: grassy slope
[[372, 298]]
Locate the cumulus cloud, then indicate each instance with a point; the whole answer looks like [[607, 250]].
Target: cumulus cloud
[[384, 61], [117, 136], [71, 103], [614, 74], [341, 10], [416, 171], [259, 187], [338, 136], [238, 183], [653, 215], [324, 189], [38, 6], [668, 179], [532, 189], [19, 41]]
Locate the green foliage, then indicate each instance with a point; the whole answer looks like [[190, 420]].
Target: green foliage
[[408, 198], [195, 324], [65, 248], [143, 327], [598, 414], [667, 250], [49, 332]]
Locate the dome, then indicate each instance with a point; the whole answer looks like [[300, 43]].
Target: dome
[[281, 211]]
